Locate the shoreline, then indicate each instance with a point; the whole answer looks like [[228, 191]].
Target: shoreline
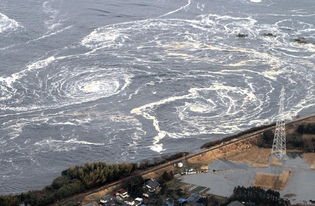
[[242, 136], [218, 149]]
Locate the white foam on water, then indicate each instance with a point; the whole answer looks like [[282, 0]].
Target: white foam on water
[[7, 24], [53, 21], [68, 86], [255, 1], [177, 10], [102, 37], [208, 107], [33, 66], [199, 126], [75, 141], [50, 34]]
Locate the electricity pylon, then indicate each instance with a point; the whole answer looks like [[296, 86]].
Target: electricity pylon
[[279, 149]]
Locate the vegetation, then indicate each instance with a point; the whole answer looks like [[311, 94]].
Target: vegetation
[[9, 200], [72, 181], [266, 139], [78, 179], [135, 186], [306, 129], [258, 196]]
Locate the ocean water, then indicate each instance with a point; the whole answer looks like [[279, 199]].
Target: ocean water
[[126, 80]]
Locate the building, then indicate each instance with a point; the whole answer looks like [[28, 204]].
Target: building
[[235, 203], [106, 199], [190, 171], [204, 168], [122, 193], [89, 204], [180, 164], [138, 201], [129, 201], [169, 202], [152, 185], [194, 200]]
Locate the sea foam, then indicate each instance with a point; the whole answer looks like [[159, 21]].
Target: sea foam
[[7, 24]]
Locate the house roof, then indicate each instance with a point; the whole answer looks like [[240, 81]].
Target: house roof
[[152, 184], [89, 204], [181, 200], [235, 203], [121, 191], [106, 197], [139, 199], [193, 197]]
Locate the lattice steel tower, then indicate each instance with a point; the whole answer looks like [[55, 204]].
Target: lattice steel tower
[[279, 141]]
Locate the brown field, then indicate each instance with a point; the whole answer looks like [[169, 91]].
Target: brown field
[[310, 159], [255, 156], [270, 181]]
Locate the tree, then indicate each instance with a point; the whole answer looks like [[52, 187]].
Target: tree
[[135, 186]]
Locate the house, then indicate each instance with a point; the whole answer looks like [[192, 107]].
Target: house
[[122, 193], [181, 200], [180, 164], [138, 201], [89, 204], [195, 200], [110, 203], [106, 199], [204, 168], [145, 195], [190, 171], [169, 202], [235, 203], [129, 201], [152, 185]]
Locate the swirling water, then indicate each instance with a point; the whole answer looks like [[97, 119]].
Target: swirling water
[[120, 81]]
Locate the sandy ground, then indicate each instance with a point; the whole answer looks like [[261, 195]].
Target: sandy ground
[[310, 159], [255, 156], [270, 181]]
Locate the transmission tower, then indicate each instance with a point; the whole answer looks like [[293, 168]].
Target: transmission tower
[[279, 140]]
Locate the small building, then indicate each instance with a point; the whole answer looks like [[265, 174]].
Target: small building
[[89, 204], [138, 201], [122, 193], [169, 202], [235, 203], [152, 185], [129, 201], [204, 168], [190, 171], [193, 198], [181, 200], [110, 203], [106, 199]]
